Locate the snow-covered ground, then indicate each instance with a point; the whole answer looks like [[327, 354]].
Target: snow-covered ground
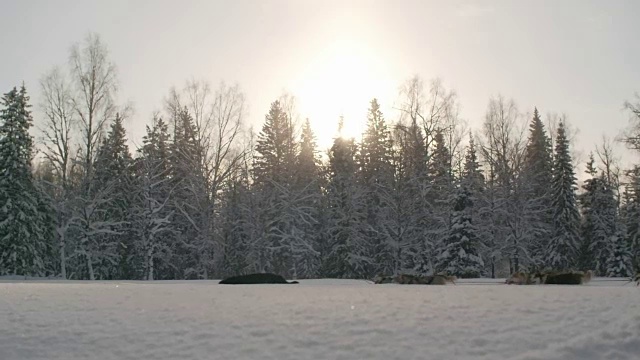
[[318, 319]]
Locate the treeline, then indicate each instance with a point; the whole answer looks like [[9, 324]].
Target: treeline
[[202, 197]]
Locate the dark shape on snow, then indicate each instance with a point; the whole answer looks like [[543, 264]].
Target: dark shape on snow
[[256, 279], [637, 279], [565, 278], [407, 279]]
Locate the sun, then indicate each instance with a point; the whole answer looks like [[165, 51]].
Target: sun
[[341, 81]]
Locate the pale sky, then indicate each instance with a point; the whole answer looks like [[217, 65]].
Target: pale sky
[[580, 58]]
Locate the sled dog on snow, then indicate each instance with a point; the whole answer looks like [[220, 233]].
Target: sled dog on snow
[[380, 279], [256, 279], [521, 278], [407, 279]]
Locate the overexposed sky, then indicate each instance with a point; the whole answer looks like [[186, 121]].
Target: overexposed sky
[[581, 58]]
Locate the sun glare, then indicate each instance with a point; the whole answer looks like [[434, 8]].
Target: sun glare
[[341, 82]]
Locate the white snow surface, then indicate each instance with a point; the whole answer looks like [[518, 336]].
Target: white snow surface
[[317, 319]]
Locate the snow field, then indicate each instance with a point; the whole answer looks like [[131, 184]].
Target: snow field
[[318, 319]]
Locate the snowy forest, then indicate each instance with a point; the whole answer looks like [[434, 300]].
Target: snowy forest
[[204, 196]]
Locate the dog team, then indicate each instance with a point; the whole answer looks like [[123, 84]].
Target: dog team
[[518, 278]]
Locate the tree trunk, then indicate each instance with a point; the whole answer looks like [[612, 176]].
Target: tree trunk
[[150, 264], [493, 267], [90, 267], [63, 259]]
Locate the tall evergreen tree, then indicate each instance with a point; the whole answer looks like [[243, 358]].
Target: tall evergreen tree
[[564, 243], [25, 221], [441, 197], [376, 176], [603, 247], [408, 205], [460, 255], [472, 175], [538, 159], [345, 254], [235, 224], [113, 179], [631, 216], [187, 185], [274, 175], [590, 226], [306, 253], [151, 213], [275, 149], [537, 175]]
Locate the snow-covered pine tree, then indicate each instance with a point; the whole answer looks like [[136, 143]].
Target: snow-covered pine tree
[[24, 220], [563, 246]]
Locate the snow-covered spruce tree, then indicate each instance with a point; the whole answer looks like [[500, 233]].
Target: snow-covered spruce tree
[[484, 208], [441, 195], [603, 247], [113, 172], [100, 207], [590, 226], [409, 210], [151, 213], [537, 173], [306, 253], [460, 255], [346, 253], [631, 216], [618, 263], [376, 176], [235, 225], [563, 246], [25, 226], [274, 177], [187, 185]]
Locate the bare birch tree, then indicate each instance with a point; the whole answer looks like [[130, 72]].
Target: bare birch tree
[[218, 119], [95, 84], [57, 128]]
